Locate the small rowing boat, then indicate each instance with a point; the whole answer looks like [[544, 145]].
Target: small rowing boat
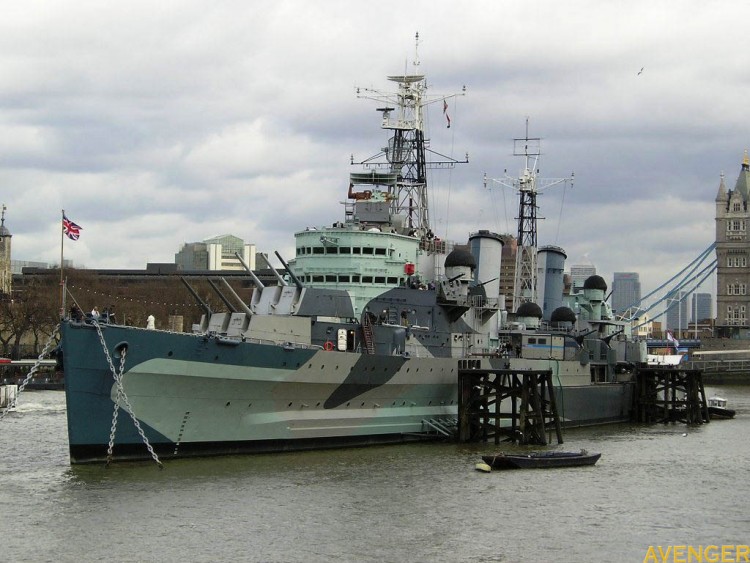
[[540, 460]]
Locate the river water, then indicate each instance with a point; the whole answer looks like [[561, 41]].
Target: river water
[[661, 485]]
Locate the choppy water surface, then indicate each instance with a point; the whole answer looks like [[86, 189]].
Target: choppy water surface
[[652, 486]]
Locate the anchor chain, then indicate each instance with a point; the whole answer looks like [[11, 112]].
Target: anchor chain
[[32, 371], [121, 396]]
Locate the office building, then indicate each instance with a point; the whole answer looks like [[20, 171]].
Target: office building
[[701, 307], [626, 291], [216, 253]]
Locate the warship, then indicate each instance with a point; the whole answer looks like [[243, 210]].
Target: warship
[[360, 339]]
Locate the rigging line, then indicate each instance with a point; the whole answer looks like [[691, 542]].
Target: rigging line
[[450, 174], [505, 208], [559, 219]]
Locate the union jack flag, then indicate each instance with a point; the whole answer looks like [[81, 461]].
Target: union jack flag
[[71, 230]]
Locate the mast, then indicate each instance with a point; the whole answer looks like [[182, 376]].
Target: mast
[[406, 153], [527, 185]]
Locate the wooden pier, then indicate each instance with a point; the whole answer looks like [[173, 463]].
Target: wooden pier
[[669, 394], [531, 397]]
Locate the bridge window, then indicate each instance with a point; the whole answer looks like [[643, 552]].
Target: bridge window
[[332, 249], [367, 250], [318, 250], [345, 250], [380, 251], [737, 206], [331, 279], [737, 289]]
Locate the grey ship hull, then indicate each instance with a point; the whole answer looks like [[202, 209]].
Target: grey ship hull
[[202, 395]]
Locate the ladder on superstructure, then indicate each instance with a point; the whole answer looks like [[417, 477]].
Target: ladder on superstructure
[[367, 333]]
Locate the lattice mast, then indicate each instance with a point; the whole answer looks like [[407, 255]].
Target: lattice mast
[[406, 153], [527, 186]]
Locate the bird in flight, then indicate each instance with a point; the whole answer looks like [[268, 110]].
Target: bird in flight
[[640, 71]]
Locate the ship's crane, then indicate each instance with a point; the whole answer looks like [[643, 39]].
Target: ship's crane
[[527, 185]]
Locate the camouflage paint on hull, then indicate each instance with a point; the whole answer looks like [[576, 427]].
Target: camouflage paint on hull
[[200, 395]]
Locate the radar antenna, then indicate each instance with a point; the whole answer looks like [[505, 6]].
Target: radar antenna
[[527, 185], [404, 159]]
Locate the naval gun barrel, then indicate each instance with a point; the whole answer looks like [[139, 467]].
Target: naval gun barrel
[[486, 282], [579, 338], [277, 275], [295, 279], [256, 282], [608, 339], [223, 297], [244, 307], [200, 301]]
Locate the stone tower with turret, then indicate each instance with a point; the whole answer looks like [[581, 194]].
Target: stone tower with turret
[[733, 257], [6, 278]]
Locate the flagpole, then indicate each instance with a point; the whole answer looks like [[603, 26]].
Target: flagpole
[[62, 283]]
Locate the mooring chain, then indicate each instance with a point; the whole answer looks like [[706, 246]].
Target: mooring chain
[[32, 371], [122, 396], [115, 411]]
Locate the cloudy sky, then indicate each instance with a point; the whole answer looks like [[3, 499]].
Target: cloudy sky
[[158, 123]]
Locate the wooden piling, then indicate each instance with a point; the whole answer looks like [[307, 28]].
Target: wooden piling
[[669, 394], [530, 394]]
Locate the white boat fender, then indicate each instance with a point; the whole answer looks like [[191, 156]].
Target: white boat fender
[[481, 466]]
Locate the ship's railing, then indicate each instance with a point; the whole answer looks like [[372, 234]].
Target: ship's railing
[[719, 366], [481, 302]]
